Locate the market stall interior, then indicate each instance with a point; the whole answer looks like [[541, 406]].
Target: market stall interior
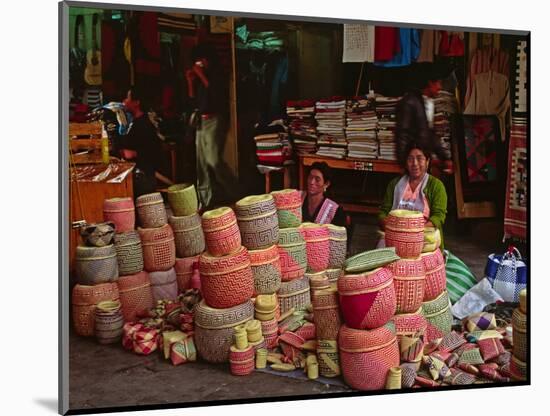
[[199, 145]]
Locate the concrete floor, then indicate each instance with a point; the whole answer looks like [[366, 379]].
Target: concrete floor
[[108, 376]]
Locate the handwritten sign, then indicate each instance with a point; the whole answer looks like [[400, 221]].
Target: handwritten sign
[[358, 43]]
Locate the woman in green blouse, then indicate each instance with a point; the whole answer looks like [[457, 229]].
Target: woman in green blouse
[[417, 190]]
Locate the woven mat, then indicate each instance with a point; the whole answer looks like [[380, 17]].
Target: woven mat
[[299, 374], [515, 211]]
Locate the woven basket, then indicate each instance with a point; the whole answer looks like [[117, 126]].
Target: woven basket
[[337, 246], [84, 302], [265, 307], [436, 277], [518, 369], [183, 199], [129, 253], [99, 234], [410, 324], [334, 274], [96, 265], [367, 300], [438, 314], [328, 358], [432, 239], [164, 285], [221, 231], [266, 269], [151, 211], [393, 382], [214, 329], [294, 294], [318, 281], [136, 295], [292, 254], [317, 246], [184, 271], [523, 300], [226, 281], [109, 322], [326, 313], [289, 207], [254, 206], [519, 334], [242, 362], [270, 332], [367, 356], [159, 250], [260, 231], [409, 278], [370, 260], [405, 232], [189, 238], [121, 212]]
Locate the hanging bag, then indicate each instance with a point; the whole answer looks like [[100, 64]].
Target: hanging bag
[[511, 275]]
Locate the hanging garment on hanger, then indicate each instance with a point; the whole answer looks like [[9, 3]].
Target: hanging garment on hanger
[[427, 46], [386, 43], [491, 95], [484, 60], [450, 43], [409, 49]]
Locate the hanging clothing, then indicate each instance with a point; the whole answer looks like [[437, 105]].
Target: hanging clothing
[[450, 43], [386, 43], [427, 46], [485, 60], [409, 49], [491, 95]]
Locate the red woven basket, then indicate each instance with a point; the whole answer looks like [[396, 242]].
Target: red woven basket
[[409, 324], [159, 250], [405, 232], [409, 276], [84, 302], [226, 281], [122, 212], [221, 231], [136, 295], [367, 300], [436, 277], [292, 254], [241, 361], [266, 269], [317, 246], [367, 356]]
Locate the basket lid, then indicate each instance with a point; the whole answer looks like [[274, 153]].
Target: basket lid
[[212, 318], [362, 340], [371, 281], [253, 200], [216, 213], [181, 187], [403, 213]]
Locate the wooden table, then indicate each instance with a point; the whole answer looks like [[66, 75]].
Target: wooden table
[[364, 165], [87, 196]]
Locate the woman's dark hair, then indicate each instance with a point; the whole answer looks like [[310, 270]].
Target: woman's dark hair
[[414, 145], [323, 168], [139, 94]]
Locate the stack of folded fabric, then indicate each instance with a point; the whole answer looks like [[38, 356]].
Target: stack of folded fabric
[[272, 149], [386, 112], [302, 125], [445, 105], [331, 122], [361, 128]]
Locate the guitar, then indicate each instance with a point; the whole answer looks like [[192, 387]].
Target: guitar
[[77, 57], [128, 46], [92, 73]]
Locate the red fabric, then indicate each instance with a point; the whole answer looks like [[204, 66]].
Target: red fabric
[[386, 43], [147, 48], [355, 308], [450, 44]]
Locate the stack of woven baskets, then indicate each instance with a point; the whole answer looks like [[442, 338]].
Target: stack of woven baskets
[[227, 286], [159, 249], [367, 341], [188, 234], [423, 306], [518, 364]]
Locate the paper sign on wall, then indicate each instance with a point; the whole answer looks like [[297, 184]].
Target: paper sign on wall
[[358, 43]]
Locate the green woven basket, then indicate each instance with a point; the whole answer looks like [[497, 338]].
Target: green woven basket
[[370, 260], [438, 312], [183, 199]]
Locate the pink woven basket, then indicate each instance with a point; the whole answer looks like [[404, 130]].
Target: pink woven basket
[[221, 231], [84, 302], [409, 324], [367, 356], [289, 207], [292, 254], [122, 212], [266, 269], [317, 246], [184, 271], [136, 295], [367, 300], [159, 250], [405, 232], [409, 276], [241, 362], [164, 285], [436, 276], [326, 313], [226, 281], [151, 211]]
